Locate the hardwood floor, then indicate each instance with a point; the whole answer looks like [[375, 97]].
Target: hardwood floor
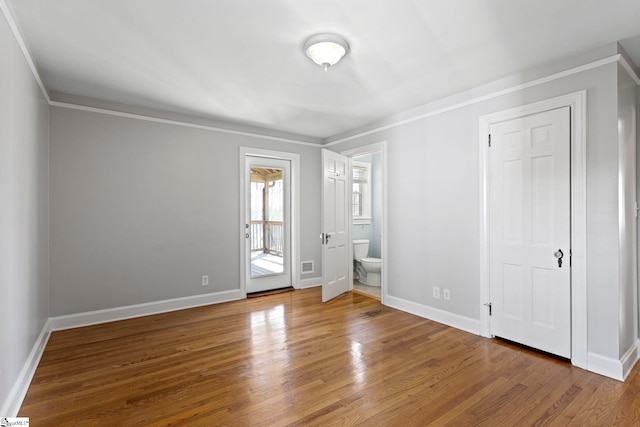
[[372, 291], [287, 359]]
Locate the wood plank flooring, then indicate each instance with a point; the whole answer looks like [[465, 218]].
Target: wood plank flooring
[[288, 359]]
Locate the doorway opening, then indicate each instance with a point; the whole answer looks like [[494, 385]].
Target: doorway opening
[[366, 224], [367, 215]]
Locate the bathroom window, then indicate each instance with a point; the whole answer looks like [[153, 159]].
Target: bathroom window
[[361, 192]]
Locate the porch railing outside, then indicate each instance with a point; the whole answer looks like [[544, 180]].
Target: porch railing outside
[[267, 236]]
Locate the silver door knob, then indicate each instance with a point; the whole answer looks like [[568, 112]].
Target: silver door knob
[[558, 254]]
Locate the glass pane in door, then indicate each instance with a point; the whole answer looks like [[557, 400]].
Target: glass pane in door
[[267, 221]]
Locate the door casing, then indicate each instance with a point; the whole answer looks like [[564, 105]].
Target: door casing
[[295, 211], [577, 102]]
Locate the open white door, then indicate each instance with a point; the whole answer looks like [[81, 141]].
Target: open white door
[[335, 220], [530, 237]]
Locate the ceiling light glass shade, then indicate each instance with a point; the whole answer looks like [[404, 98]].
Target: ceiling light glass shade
[[326, 49]]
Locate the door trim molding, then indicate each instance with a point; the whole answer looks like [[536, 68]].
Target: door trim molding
[[578, 103], [378, 147], [294, 158]]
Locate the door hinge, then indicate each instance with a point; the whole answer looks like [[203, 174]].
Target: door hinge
[[489, 140], [488, 304]]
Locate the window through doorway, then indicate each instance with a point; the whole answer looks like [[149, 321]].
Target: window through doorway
[[361, 192]]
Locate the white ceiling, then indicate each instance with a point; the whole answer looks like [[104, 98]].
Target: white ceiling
[[241, 60]]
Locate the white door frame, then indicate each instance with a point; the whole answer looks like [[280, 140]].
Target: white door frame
[[379, 147], [295, 211], [578, 103]]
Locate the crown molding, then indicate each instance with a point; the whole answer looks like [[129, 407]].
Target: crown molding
[[23, 47], [328, 142], [182, 123], [6, 11], [629, 69], [486, 97]]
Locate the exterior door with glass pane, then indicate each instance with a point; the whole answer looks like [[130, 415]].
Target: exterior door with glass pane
[[267, 224]]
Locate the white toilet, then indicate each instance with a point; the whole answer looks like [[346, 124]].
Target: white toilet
[[368, 269]]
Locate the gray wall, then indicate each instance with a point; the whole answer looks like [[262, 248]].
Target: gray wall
[[433, 200], [141, 210], [362, 231], [24, 208]]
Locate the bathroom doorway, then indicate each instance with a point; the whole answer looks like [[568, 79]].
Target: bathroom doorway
[[368, 214]]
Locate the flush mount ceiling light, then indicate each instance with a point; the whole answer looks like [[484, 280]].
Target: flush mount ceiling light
[[326, 49]]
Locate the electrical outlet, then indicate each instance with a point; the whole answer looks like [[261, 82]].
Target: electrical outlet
[[446, 293], [205, 280], [436, 292]]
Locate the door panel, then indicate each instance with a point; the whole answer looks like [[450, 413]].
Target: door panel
[[335, 268], [267, 223], [530, 221]]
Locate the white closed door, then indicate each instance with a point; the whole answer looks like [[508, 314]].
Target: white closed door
[[335, 220], [530, 229]]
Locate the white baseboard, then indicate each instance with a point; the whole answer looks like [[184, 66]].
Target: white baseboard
[[450, 319], [614, 368], [13, 403], [310, 283], [16, 396], [607, 366], [630, 359], [138, 310]]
